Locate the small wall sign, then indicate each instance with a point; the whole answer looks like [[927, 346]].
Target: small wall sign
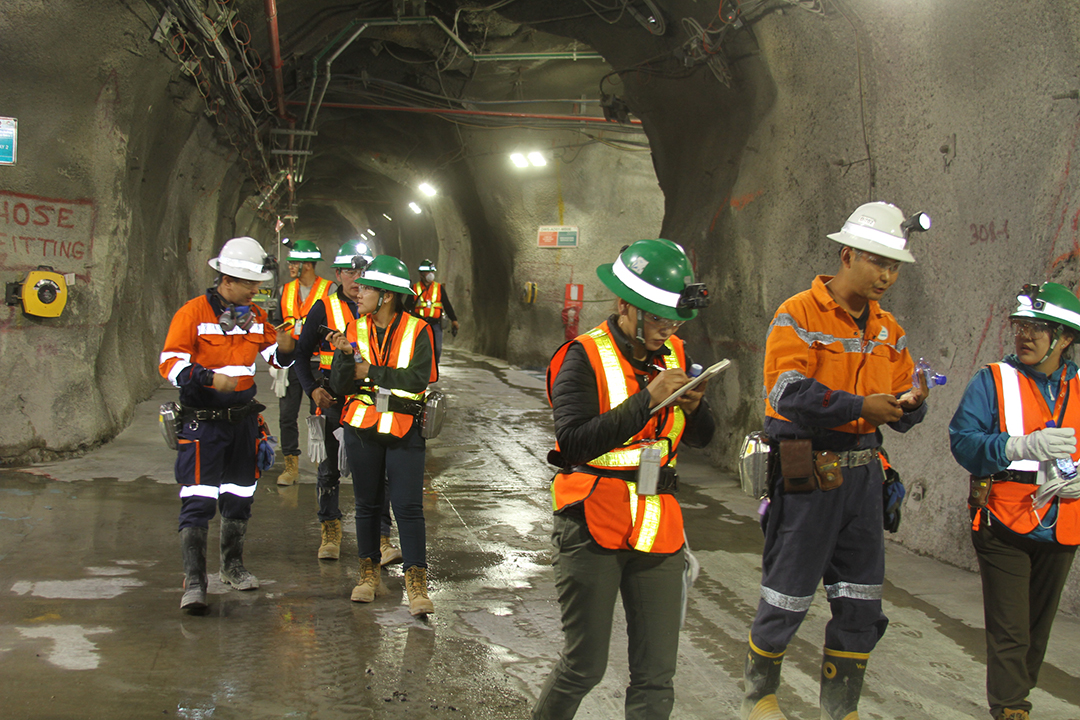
[[557, 236], [9, 140]]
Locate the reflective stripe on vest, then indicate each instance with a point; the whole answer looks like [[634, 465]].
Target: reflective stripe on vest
[[429, 300], [338, 316], [360, 408], [1012, 410]]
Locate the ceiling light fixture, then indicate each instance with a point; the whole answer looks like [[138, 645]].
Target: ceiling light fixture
[[427, 189], [415, 208], [537, 159], [520, 160], [388, 217]]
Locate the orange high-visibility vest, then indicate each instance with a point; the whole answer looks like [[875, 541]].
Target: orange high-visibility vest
[[429, 300], [359, 410], [1022, 409], [617, 516], [293, 309], [338, 318]]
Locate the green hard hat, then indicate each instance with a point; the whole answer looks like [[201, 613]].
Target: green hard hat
[[652, 275], [387, 273], [1050, 302], [350, 250], [427, 266], [304, 251]]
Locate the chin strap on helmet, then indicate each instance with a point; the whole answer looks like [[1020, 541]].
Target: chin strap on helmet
[[1058, 332]]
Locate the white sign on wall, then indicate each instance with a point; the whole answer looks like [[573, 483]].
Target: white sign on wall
[[9, 140]]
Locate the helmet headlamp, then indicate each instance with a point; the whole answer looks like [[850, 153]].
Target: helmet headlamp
[[694, 296], [919, 222]]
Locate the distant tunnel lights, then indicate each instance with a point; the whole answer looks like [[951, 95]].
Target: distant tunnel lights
[[427, 189], [534, 158], [415, 208], [388, 217]]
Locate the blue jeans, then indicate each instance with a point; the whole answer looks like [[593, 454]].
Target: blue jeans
[[386, 467]]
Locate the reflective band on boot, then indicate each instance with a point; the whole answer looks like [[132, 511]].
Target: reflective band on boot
[[842, 676], [761, 678]]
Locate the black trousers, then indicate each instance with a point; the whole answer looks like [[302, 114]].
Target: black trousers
[[1022, 581]]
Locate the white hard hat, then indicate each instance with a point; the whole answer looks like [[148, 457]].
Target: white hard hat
[[243, 258], [877, 228]]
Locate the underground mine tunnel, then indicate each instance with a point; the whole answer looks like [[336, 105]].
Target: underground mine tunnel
[[137, 136]]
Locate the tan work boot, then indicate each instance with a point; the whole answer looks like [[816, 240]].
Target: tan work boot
[[331, 540], [416, 587], [1008, 714], [292, 471], [368, 586], [390, 552]]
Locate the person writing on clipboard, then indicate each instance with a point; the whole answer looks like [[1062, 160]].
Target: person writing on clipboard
[[612, 534]]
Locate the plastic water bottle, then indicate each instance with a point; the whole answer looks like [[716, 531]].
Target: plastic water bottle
[[923, 368], [1066, 467], [694, 370]]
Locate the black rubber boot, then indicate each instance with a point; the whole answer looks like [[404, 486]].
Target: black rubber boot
[[193, 550], [232, 570], [842, 676], [761, 678]]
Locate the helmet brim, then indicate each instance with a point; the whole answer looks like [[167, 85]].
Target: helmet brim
[[872, 247], [607, 276], [241, 273]]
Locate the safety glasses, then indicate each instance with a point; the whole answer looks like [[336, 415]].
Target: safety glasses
[[1030, 329]]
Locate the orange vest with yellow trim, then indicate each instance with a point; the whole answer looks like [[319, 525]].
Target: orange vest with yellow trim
[[293, 309], [1022, 409], [428, 300], [619, 518], [339, 318], [359, 410]]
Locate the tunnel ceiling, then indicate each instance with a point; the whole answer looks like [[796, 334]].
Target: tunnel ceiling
[[344, 65]]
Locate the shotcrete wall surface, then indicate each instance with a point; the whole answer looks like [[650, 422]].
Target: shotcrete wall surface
[[118, 183], [961, 122], [609, 195]]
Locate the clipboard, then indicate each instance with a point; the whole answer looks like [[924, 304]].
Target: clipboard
[[705, 375]]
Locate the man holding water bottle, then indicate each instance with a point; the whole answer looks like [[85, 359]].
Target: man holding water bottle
[[837, 367]]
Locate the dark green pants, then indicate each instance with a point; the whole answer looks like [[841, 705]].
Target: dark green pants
[[1022, 581], [589, 578]]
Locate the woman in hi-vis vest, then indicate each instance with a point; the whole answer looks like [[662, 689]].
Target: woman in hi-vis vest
[[618, 531], [1015, 432], [384, 363]]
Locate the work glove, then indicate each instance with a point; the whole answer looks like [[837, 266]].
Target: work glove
[[281, 380], [1042, 445]]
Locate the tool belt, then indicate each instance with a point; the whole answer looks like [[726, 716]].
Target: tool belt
[[668, 484], [232, 414], [805, 469], [399, 404], [979, 490]]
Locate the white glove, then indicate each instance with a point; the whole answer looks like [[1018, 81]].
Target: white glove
[[281, 380], [1041, 445]]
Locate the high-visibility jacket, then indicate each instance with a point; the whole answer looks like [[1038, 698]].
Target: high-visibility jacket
[[399, 344], [617, 516], [1022, 409], [428, 300], [196, 338], [811, 336], [338, 317], [293, 309]]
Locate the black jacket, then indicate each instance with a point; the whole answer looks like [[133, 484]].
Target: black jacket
[[583, 433]]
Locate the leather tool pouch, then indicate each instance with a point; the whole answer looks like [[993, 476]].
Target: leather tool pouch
[[828, 471], [797, 465], [980, 491]]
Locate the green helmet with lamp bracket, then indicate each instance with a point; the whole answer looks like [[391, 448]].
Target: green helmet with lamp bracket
[[304, 251], [656, 276], [386, 272], [427, 266], [1051, 303], [354, 254]]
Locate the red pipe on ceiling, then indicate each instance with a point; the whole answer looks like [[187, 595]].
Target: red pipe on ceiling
[[452, 111]]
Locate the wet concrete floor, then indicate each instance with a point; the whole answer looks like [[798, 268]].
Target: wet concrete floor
[[90, 580]]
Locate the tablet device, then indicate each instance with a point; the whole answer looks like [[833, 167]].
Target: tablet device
[[705, 375]]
